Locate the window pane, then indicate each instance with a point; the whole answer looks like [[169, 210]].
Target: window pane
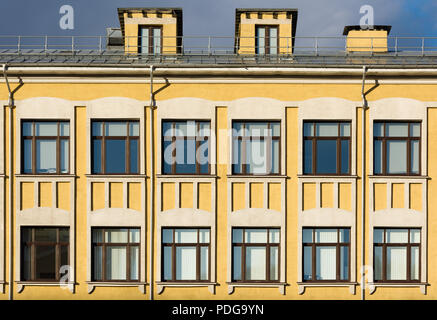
[[397, 236], [326, 235], [167, 129], [414, 157], [156, 40], [116, 263], [396, 263], [256, 152], [203, 236], [181, 129], [326, 263], [344, 263], [396, 157], [260, 40], [237, 165], [274, 263], [256, 236], [308, 129], [115, 156], [116, 236], [97, 235], [275, 129], [378, 161], [414, 236], [397, 130], [274, 236], [133, 154], [186, 236], [184, 150], [46, 129], [97, 156], [191, 129], [275, 157], [237, 236], [65, 155], [415, 129], [377, 263], [134, 235], [134, 129], [186, 263], [27, 274], [345, 129], [255, 263], [168, 263], [378, 129], [204, 129], [45, 234], [378, 236], [344, 235], [202, 156], [116, 129], [307, 263], [97, 129], [64, 256], [414, 263], [236, 264], [27, 129], [167, 236], [204, 263], [144, 40], [168, 159], [64, 129], [308, 157], [64, 235], [134, 259], [345, 156], [46, 156], [27, 156], [45, 262], [307, 235], [327, 129], [326, 161], [273, 41]]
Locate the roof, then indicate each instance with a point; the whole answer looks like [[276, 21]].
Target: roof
[[375, 27]]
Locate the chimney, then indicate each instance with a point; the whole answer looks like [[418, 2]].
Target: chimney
[[370, 39]]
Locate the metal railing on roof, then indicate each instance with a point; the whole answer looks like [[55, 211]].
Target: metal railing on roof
[[201, 47]]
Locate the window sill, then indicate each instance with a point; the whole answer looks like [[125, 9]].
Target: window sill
[[116, 176], [22, 284], [398, 177], [280, 285], [326, 176], [303, 285], [373, 285], [93, 284], [162, 285], [256, 176], [46, 175], [186, 176]]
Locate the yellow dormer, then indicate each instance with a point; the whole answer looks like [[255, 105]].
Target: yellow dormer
[[151, 31], [265, 31], [372, 39]]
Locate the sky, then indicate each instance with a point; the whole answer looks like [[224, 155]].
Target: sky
[[216, 17]]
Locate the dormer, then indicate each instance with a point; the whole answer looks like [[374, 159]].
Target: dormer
[[367, 39], [265, 31], [151, 31]]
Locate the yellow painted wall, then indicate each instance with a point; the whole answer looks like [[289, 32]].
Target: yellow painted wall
[[367, 40]]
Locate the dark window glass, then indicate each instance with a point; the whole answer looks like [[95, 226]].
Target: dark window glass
[[326, 148], [115, 147], [45, 147], [41, 248]]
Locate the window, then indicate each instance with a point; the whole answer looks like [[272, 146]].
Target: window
[[45, 147], [115, 254], [256, 147], [396, 148], [185, 148], [327, 148], [267, 40], [115, 147], [255, 254], [150, 40], [396, 255], [44, 251], [186, 254], [326, 254]]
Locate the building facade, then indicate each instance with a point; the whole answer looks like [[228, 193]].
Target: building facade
[[147, 168]]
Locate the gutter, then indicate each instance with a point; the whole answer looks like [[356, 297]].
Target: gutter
[[363, 185]]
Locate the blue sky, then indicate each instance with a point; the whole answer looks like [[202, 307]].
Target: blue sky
[[208, 17]]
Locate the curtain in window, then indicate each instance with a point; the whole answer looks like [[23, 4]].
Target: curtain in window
[[396, 263], [98, 268], [46, 156], [134, 256], [273, 40], [326, 263], [261, 40], [186, 263], [144, 34], [116, 263], [255, 263], [396, 157]]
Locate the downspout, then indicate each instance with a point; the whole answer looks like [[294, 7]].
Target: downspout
[[363, 184], [152, 182], [11, 106]]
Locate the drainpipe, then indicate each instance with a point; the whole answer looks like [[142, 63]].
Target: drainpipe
[[11, 106], [363, 185], [152, 107]]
